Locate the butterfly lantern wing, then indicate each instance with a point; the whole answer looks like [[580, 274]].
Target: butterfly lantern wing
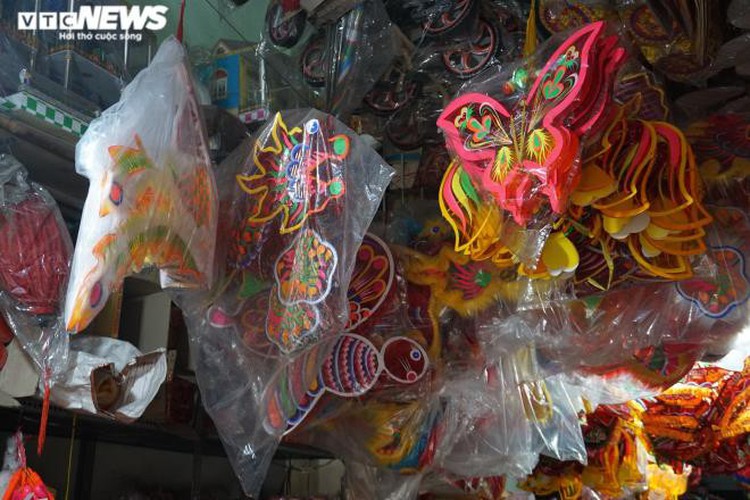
[[475, 222], [371, 286], [533, 149]]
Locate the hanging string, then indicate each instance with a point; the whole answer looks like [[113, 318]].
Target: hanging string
[[20, 450], [70, 456]]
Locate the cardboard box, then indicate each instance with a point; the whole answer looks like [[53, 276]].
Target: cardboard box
[[175, 403]]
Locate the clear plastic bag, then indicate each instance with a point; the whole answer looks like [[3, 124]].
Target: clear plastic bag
[[331, 68], [600, 201], [35, 253], [679, 42], [616, 465], [296, 200], [365, 482], [518, 135], [363, 44], [390, 409], [507, 416], [152, 194], [633, 342], [557, 16], [489, 36]]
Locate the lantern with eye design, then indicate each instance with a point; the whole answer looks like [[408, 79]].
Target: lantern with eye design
[[352, 369], [404, 360]]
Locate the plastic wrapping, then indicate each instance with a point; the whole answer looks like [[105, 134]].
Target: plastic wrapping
[[557, 16], [720, 143], [284, 29], [501, 402], [456, 40], [441, 45], [617, 452], [523, 156], [23, 481], [362, 46], [296, 201], [614, 194], [634, 342], [331, 68], [363, 482], [617, 459], [518, 416], [575, 264], [372, 355], [152, 195], [110, 378], [680, 42], [388, 407], [702, 420], [35, 244], [481, 412], [35, 252], [395, 89], [444, 43], [427, 21]]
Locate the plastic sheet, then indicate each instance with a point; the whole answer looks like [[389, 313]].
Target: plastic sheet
[[608, 217], [679, 41], [497, 386], [557, 16], [152, 195], [479, 413], [645, 338], [617, 459], [362, 45], [395, 365], [296, 200]]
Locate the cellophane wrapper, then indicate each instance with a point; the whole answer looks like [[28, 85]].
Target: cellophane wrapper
[[518, 139], [334, 66], [296, 200], [35, 252], [152, 195]]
